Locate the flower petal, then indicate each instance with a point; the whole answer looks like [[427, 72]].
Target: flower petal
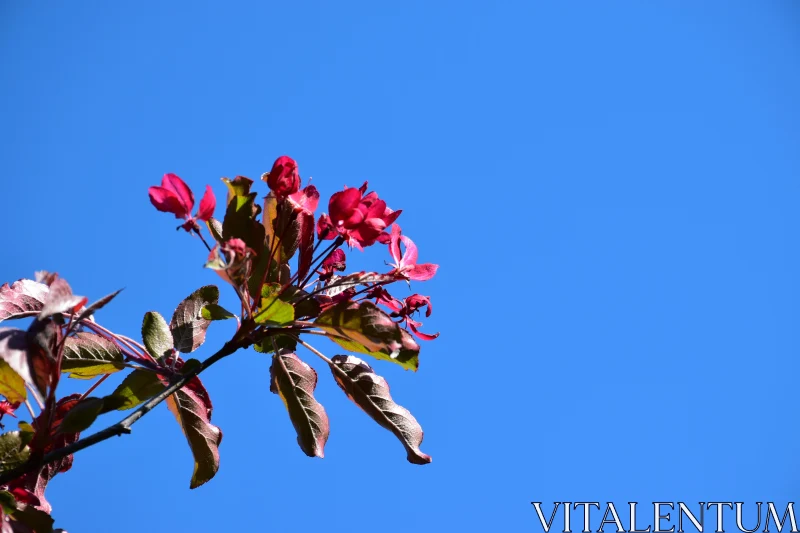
[[394, 244], [422, 272], [167, 201], [181, 190], [207, 205], [410, 255]]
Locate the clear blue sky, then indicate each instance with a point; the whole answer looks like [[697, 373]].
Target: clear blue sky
[[611, 190]]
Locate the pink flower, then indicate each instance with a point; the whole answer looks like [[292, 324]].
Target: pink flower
[[360, 220], [405, 309], [174, 196], [305, 200], [284, 179], [406, 266]]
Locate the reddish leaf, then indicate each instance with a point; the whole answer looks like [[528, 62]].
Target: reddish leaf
[[87, 355], [23, 298], [370, 392], [338, 285], [96, 306], [192, 409], [294, 381], [15, 353], [60, 299], [363, 327], [188, 325], [306, 244]]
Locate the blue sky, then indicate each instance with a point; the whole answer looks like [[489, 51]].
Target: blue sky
[[610, 189]]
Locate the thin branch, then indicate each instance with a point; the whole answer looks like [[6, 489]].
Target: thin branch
[[124, 426]]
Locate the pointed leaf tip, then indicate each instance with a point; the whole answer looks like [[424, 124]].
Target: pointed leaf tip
[[294, 381], [370, 392]]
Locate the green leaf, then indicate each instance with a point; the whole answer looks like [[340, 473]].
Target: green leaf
[[82, 415], [192, 409], [215, 312], [294, 381], [87, 355], [364, 328], [157, 335], [13, 451], [281, 341], [7, 502], [138, 386], [274, 310], [370, 392], [188, 324], [240, 214], [12, 386], [31, 365]]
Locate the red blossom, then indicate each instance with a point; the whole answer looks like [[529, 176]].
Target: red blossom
[[405, 266], [284, 178], [360, 219], [7, 408], [411, 305], [174, 196]]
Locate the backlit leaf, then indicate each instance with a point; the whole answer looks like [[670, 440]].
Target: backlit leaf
[[60, 299], [12, 386], [156, 335], [370, 392], [294, 381], [21, 299], [87, 355], [188, 324], [82, 415], [14, 352], [192, 409], [13, 451], [138, 386], [273, 309], [96, 306], [215, 312], [362, 327]]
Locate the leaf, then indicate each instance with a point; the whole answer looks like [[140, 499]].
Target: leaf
[[87, 355], [82, 415], [13, 451], [60, 299], [370, 392], [35, 519], [362, 327], [22, 299], [294, 381], [273, 309], [306, 244], [96, 306], [239, 221], [14, 352], [156, 335], [215, 312], [283, 342], [188, 325], [192, 409], [12, 386], [137, 387]]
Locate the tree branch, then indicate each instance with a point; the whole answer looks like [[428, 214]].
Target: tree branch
[[124, 425]]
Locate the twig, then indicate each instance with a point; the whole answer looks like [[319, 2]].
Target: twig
[[124, 426]]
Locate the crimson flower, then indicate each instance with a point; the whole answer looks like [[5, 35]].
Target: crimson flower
[[405, 309], [174, 196], [360, 220], [7, 408], [406, 266], [284, 178]]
